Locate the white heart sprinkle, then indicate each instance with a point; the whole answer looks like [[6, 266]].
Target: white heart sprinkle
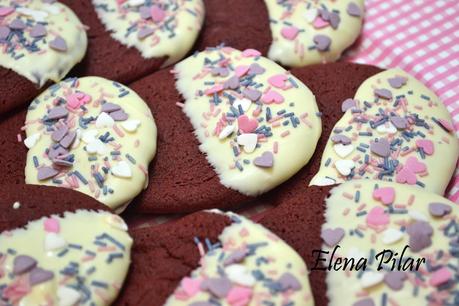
[[391, 235], [240, 275], [104, 120], [136, 2], [344, 166], [77, 141], [32, 140], [322, 181], [417, 215], [39, 16], [371, 278], [89, 136], [244, 103], [343, 150], [96, 146], [54, 241], [226, 131], [67, 296], [122, 169], [131, 125], [248, 141], [388, 128], [310, 15]]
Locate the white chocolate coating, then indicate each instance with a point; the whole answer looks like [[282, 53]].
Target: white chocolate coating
[[37, 55], [414, 123], [166, 28], [356, 208], [296, 23], [67, 262], [108, 159], [257, 135], [266, 263]]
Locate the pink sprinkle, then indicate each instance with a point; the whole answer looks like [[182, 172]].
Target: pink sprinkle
[[5, 11], [118, 131], [239, 296], [191, 286], [214, 89], [440, 276], [52, 225], [19, 138], [386, 195], [377, 216], [290, 32], [157, 13], [241, 70], [319, 23], [275, 147], [250, 53], [285, 133]]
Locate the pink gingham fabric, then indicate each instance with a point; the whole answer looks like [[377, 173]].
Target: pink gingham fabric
[[422, 38]]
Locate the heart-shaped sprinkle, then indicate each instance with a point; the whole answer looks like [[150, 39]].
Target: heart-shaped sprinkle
[[58, 134], [322, 42], [272, 96], [278, 80], [383, 93], [220, 71], [32, 140], [256, 69], [340, 138], [240, 275], [89, 136], [232, 83], [217, 286], [250, 53], [440, 276], [51, 225], [343, 150], [78, 99], [157, 14], [6, 10], [332, 237], [110, 107], [439, 209], [266, 160], [104, 120], [386, 128], [68, 140], [4, 32], [371, 278], [365, 302], [227, 131], [377, 216], [406, 176], [248, 141], [45, 173], [145, 32], [144, 12], [384, 194], [17, 24], [96, 147], [397, 82], [395, 279], [348, 104], [131, 125], [252, 94], [122, 169], [288, 281], [54, 241], [239, 295], [58, 44], [38, 31], [243, 103], [414, 165], [420, 233], [58, 112], [119, 115], [380, 147], [38, 276], [57, 152], [426, 145], [334, 20], [247, 125], [191, 286], [399, 122], [23, 264], [353, 10], [290, 32], [320, 23], [241, 70], [391, 236], [344, 166], [68, 296]]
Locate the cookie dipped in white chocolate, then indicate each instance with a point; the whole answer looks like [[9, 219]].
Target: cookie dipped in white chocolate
[[92, 135], [394, 129], [257, 124], [156, 28], [408, 238], [62, 261], [248, 266], [313, 32], [40, 40]]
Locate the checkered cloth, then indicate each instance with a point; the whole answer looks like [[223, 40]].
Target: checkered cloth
[[422, 38]]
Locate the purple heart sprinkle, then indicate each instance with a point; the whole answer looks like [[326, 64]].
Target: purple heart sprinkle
[[256, 69], [252, 94], [348, 104], [58, 44], [289, 281], [17, 24], [119, 115], [145, 32], [383, 93], [220, 71], [38, 276], [68, 140], [55, 152], [322, 42], [45, 173], [266, 160], [232, 83], [38, 30], [217, 286], [332, 237], [60, 133], [110, 107], [23, 264], [420, 234], [380, 147], [334, 20], [324, 14], [397, 82], [4, 32], [354, 10], [339, 138], [439, 209], [58, 112], [145, 12], [62, 163], [395, 279], [399, 122]]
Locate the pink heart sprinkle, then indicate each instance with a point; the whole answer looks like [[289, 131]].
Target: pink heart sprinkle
[[426, 145], [406, 176], [239, 296], [377, 216], [319, 23], [247, 125], [251, 53], [214, 89], [5, 11], [414, 165], [241, 70], [78, 99], [191, 286], [440, 276], [290, 32], [52, 225], [272, 97], [157, 13], [385, 194], [278, 80]]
